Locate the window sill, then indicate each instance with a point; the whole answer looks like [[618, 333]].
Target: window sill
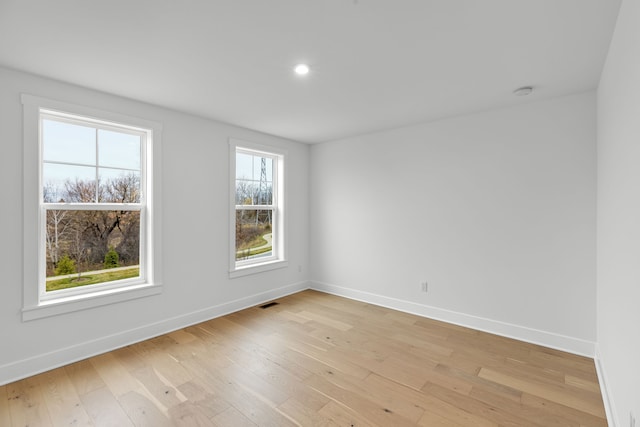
[[257, 268], [85, 301]]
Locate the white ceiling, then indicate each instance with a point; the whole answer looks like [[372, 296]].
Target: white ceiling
[[376, 64]]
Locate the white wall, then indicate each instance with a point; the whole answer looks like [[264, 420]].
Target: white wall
[[618, 296], [495, 210], [195, 235]]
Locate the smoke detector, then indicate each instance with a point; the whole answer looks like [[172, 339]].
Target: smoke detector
[[523, 91]]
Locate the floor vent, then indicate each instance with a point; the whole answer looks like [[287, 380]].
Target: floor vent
[[269, 304]]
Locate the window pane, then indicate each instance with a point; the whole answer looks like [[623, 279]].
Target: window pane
[[119, 186], [254, 180], [119, 150], [253, 233], [90, 247], [250, 167], [254, 193], [64, 142], [245, 191], [262, 169], [264, 194], [244, 166], [68, 183]]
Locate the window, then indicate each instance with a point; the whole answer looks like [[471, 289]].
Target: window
[[92, 203], [94, 197], [257, 216]]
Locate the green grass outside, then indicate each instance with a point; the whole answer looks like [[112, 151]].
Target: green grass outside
[[72, 282], [245, 254], [253, 243], [246, 250]]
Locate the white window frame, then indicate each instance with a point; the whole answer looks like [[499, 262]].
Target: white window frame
[[37, 302], [278, 259]]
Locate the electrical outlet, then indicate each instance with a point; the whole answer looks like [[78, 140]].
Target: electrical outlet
[[424, 286], [632, 420]]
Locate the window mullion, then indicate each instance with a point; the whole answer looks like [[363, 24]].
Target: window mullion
[[93, 206], [96, 166], [255, 207]]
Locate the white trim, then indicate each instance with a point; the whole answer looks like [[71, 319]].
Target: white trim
[[102, 116], [246, 270], [57, 306], [34, 306], [43, 362], [607, 399], [509, 330]]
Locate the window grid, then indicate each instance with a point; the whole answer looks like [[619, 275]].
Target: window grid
[[257, 220], [95, 204], [257, 189]]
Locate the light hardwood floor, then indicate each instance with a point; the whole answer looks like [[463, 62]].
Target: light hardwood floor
[[315, 360]]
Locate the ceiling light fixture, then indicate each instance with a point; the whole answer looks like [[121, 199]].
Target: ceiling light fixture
[[301, 69], [523, 91]]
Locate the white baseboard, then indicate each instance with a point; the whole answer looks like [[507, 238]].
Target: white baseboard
[[43, 362], [609, 407], [522, 333], [21, 369]]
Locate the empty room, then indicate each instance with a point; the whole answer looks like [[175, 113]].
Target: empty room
[[320, 213]]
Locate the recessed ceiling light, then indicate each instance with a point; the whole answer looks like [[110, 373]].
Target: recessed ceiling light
[[301, 69], [523, 91]]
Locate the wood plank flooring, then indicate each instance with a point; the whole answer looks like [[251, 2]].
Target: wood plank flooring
[[315, 360]]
